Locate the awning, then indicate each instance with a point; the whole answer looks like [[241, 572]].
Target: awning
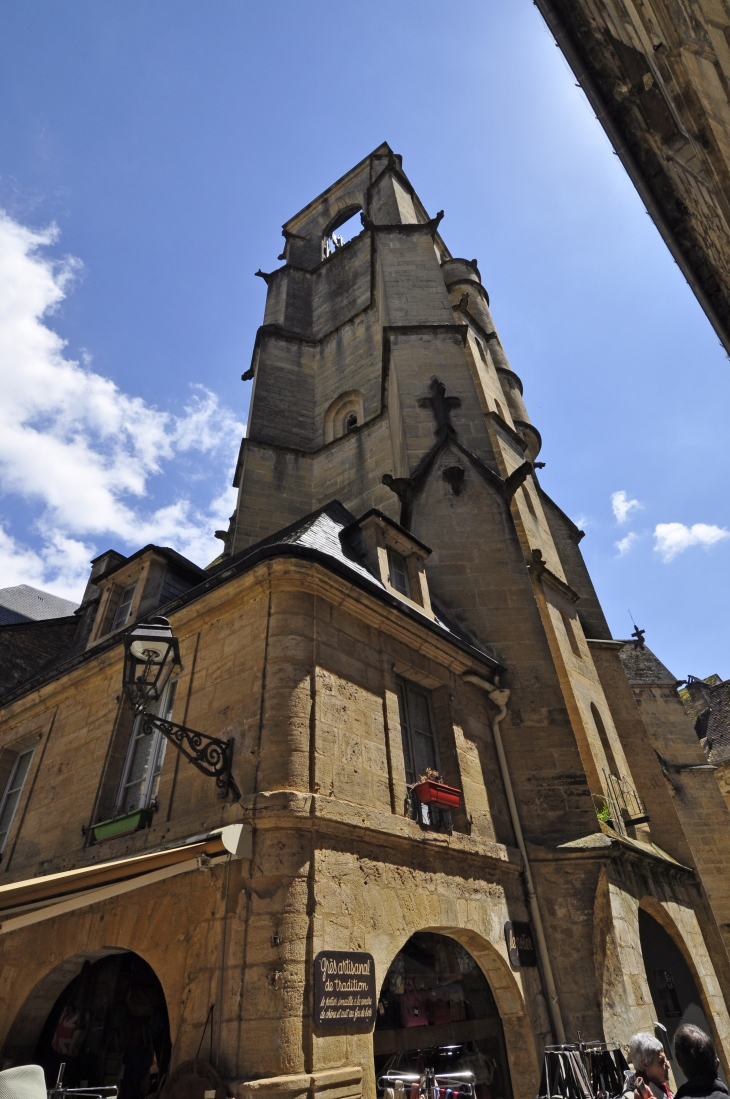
[[36, 899]]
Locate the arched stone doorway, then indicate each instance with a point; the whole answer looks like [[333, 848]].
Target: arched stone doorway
[[104, 1017], [674, 992], [436, 1010]]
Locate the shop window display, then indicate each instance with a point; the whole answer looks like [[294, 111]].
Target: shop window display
[[109, 1026], [436, 1012]]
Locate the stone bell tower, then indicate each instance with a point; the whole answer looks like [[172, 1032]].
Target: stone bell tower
[[380, 381]]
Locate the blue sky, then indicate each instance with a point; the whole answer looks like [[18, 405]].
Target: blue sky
[[149, 153]]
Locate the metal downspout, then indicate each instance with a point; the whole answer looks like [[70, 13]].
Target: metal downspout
[[499, 696]]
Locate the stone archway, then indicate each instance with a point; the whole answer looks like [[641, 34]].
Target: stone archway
[[25, 1030], [101, 1013], [516, 1027], [680, 974]]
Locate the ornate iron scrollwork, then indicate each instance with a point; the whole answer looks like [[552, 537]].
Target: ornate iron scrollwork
[[209, 754]]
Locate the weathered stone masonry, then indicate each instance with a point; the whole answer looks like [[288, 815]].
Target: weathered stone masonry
[[385, 420]]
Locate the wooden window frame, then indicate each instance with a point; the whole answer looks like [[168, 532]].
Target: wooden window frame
[[156, 756], [398, 563], [132, 588], [402, 687], [9, 790]]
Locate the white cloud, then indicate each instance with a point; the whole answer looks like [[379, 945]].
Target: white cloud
[[626, 543], [73, 442], [62, 566], [674, 538], [622, 508]]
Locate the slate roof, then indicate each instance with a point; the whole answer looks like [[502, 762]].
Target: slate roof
[[717, 744], [642, 666], [23, 603], [176, 560], [320, 537]]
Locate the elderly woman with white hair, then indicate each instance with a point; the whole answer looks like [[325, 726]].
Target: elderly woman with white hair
[[650, 1077]]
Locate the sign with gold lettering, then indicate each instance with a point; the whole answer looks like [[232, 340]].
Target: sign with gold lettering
[[344, 989], [520, 944]]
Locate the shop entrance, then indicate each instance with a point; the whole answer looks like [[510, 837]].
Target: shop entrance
[[673, 989], [109, 1026], [436, 1011]]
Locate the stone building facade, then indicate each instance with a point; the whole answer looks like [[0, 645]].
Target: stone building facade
[[397, 599], [657, 74], [707, 702]]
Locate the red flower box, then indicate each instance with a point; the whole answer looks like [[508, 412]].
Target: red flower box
[[437, 793]]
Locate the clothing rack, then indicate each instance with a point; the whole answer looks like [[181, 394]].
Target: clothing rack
[[60, 1092], [583, 1070], [429, 1084]]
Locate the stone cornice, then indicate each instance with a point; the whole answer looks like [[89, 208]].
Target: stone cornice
[[333, 817]]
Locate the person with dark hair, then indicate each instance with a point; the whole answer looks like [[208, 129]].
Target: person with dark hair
[[695, 1054]]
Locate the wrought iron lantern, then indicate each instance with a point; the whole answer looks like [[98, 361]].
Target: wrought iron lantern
[[151, 654]]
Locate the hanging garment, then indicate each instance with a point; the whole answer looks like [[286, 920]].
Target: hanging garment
[[564, 1075], [606, 1069], [70, 1031], [413, 1007], [482, 1067]]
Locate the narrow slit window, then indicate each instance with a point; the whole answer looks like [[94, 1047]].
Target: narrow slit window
[[350, 422], [124, 606], [480, 346], [528, 500], [603, 735], [500, 410], [418, 730], [570, 631], [145, 756], [398, 572], [12, 792]]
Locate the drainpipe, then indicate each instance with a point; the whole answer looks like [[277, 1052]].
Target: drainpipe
[[499, 696]]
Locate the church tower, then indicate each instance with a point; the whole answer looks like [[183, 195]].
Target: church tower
[[403, 802], [380, 381]]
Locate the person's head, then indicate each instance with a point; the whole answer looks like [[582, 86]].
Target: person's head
[[648, 1057], [695, 1051]]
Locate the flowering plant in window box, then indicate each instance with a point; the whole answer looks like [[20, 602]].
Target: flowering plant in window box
[[430, 790]]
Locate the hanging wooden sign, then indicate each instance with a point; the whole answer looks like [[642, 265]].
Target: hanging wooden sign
[[520, 944], [344, 989]]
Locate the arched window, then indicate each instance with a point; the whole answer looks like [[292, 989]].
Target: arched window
[[339, 232], [345, 414]]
